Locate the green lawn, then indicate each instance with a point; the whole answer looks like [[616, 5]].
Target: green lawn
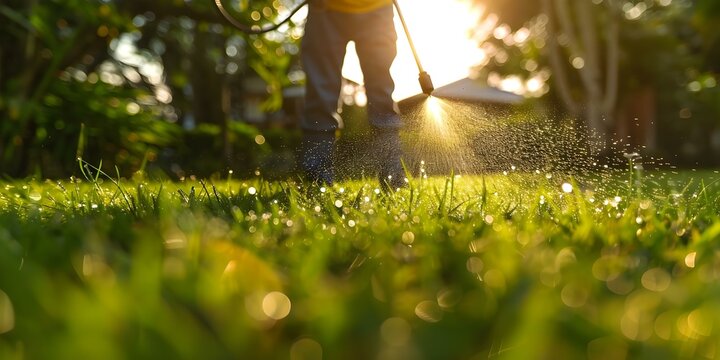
[[519, 265]]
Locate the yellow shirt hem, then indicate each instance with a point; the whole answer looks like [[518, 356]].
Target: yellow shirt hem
[[356, 9]]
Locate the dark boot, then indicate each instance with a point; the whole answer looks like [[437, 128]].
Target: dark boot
[[316, 157], [387, 147]]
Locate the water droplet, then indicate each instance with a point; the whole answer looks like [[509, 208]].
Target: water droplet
[[252, 190], [276, 305], [408, 237], [690, 259], [567, 188]]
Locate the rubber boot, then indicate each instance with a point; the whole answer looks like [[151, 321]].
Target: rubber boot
[[316, 157], [388, 149]]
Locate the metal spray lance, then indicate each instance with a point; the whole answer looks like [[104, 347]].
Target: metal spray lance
[[424, 78]]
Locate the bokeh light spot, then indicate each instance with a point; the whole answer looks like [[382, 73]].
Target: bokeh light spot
[[7, 313], [395, 331], [429, 311], [574, 295], [656, 279], [276, 305], [306, 349]]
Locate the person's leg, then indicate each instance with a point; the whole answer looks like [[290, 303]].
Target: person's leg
[[323, 51], [375, 38], [375, 42]]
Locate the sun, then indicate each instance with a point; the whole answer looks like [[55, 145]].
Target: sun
[[441, 31]]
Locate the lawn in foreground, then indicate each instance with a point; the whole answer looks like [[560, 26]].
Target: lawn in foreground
[[518, 266]]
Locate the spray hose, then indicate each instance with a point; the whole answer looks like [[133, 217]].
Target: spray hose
[[424, 78], [251, 30]]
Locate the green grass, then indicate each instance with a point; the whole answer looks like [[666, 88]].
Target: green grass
[[500, 266]]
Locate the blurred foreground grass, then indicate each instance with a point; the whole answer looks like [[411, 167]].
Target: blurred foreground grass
[[516, 266]]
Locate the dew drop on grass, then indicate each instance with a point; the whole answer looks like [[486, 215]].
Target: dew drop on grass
[[408, 237], [252, 190], [567, 188], [690, 259], [338, 203]]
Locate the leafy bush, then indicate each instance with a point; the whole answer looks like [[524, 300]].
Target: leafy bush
[[98, 121]]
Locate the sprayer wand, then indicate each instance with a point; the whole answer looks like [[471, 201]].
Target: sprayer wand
[[424, 78]]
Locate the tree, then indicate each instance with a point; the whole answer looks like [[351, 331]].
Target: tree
[[51, 50], [39, 42], [604, 60], [598, 98]]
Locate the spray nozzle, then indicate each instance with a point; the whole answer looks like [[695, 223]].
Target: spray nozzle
[[426, 83]]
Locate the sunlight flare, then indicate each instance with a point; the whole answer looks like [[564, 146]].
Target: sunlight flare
[[442, 36]]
